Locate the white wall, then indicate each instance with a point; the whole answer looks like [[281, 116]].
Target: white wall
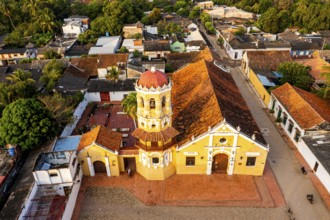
[[28, 202], [72, 197], [310, 158], [285, 127], [93, 96], [118, 96], [76, 115], [102, 72]]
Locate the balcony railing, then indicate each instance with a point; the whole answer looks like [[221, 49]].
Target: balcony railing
[[154, 147]]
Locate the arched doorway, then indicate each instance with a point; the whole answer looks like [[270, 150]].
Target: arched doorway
[[99, 167], [220, 163]]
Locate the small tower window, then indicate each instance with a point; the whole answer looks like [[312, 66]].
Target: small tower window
[[155, 160], [142, 101], [153, 126], [152, 103], [163, 101]]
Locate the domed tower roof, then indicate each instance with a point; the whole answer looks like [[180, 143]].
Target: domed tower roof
[[152, 78]]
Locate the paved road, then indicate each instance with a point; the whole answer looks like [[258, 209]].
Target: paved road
[[285, 166]]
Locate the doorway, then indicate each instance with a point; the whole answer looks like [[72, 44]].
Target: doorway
[[129, 163], [105, 96], [220, 163], [99, 167]]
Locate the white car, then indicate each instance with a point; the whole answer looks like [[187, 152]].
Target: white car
[[222, 67]]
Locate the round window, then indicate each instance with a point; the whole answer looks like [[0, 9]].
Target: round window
[[223, 140]]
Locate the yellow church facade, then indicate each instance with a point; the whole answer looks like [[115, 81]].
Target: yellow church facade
[[195, 123]]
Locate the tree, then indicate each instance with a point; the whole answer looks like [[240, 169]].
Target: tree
[[6, 9], [51, 54], [123, 50], [51, 72], [268, 21], [113, 74], [205, 17], [60, 108], [240, 31], [129, 105], [6, 94], [195, 12], [23, 86], [88, 37], [296, 74], [26, 123], [136, 53]]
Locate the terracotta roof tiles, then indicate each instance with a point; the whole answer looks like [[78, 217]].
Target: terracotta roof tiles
[[101, 136], [306, 108], [203, 96], [164, 135], [268, 60], [152, 78], [109, 60]]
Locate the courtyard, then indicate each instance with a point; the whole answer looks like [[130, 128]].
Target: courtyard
[[181, 197]]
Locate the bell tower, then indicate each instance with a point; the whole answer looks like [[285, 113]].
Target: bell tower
[[154, 133]]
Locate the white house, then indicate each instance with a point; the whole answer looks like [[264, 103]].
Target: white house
[[108, 61], [151, 29], [102, 90], [315, 148], [133, 45], [299, 111], [106, 45], [75, 25], [57, 177]]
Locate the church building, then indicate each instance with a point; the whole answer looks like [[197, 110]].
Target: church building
[[197, 122]]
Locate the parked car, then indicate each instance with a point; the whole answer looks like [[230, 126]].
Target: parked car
[[222, 67]]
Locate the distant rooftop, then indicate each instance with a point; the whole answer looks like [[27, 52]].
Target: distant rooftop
[[319, 144], [67, 143]]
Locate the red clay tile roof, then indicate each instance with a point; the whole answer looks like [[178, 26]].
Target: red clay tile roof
[[87, 64], [202, 96], [268, 60], [109, 60], [178, 60], [153, 79], [103, 137], [307, 109], [318, 66], [165, 135]]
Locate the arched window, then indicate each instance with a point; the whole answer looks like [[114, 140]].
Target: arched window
[[152, 103], [142, 101], [163, 101]]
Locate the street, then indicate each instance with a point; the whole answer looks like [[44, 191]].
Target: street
[[294, 185]]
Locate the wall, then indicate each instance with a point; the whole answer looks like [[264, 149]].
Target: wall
[[310, 158], [285, 127], [97, 153], [76, 115], [28, 202], [118, 96], [72, 198], [260, 89], [93, 97]]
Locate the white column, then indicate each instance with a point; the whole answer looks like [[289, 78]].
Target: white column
[[107, 166], [231, 165], [209, 162], [90, 166], [235, 140]]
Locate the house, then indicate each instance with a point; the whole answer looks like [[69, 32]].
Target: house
[[129, 30], [77, 50], [75, 25], [102, 90], [108, 61], [230, 12], [57, 177], [156, 49], [79, 71], [236, 45], [98, 151], [194, 35], [208, 5], [13, 56], [316, 151], [178, 47], [195, 45], [303, 46], [157, 64], [106, 45], [133, 45], [299, 112], [151, 29], [260, 68], [318, 68]]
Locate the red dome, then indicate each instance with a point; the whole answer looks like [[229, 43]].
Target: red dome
[[152, 78]]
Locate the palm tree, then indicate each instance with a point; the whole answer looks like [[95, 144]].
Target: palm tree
[[6, 94], [45, 20], [113, 74], [21, 76], [129, 105], [5, 9]]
